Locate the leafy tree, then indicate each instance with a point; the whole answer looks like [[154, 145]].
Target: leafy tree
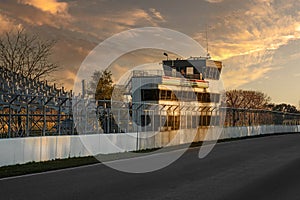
[[26, 54], [101, 85], [283, 107]]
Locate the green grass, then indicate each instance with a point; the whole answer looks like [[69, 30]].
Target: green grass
[[35, 167]]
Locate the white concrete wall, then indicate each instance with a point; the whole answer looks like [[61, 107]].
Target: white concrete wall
[[23, 150]]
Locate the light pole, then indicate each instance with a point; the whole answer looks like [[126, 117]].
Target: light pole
[[165, 54]]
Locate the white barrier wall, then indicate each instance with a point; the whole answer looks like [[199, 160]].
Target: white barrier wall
[[23, 150]]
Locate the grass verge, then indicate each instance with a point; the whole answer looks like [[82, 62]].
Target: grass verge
[[36, 167]]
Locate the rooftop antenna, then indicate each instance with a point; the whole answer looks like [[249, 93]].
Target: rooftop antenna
[[208, 56]]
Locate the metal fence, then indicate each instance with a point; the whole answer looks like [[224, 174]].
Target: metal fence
[[28, 115], [251, 117]]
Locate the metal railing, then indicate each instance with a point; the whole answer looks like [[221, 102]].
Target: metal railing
[[28, 115]]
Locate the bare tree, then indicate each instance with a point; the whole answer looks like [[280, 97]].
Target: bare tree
[[244, 99], [247, 99], [26, 54]]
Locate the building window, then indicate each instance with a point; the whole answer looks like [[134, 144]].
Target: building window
[[149, 95], [189, 70], [204, 120], [145, 120], [162, 94]]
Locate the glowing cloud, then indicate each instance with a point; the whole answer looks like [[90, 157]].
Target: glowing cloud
[[234, 79], [247, 68], [268, 27], [248, 47], [120, 21], [5, 23], [51, 6], [156, 14]]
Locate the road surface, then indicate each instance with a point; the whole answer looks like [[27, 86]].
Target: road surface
[[257, 168]]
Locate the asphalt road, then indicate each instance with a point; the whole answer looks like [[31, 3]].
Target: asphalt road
[[258, 168]]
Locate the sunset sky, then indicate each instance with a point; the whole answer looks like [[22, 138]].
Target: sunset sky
[[258, 40]]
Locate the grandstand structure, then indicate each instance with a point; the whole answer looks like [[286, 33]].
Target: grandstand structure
[[33, 108]]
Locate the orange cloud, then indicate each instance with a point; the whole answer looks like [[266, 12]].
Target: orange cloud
[[136, 16], [236, 78], [266, 27], [65, 77], [119, 22], [5, 24], [51, 6], [156, 14], [298, 28], [240, 70], [247, 39]]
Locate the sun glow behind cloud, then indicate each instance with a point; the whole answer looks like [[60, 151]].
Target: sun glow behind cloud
[[51, 6], [298, 28]]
